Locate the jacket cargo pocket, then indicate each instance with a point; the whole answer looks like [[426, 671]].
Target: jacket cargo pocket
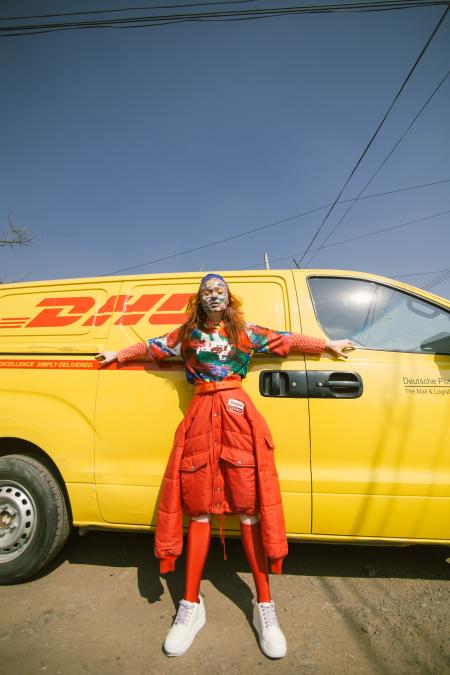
[[195, 482], [239, 473]]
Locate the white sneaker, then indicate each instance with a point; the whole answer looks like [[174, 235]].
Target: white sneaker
[[271, 638], [189, 620]]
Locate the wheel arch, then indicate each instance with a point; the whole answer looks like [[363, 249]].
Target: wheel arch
[[10, 445]]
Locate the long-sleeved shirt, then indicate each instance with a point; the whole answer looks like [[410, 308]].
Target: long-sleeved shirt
[[210, 357]]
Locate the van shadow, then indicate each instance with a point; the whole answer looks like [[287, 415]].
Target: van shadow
[[119, 550]]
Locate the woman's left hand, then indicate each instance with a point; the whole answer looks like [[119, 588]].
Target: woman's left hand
[[338, 347]]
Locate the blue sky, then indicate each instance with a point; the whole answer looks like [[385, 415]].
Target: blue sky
[[119, 147]]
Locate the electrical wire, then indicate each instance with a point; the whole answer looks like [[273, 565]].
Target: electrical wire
[[392, 276], [414, 274], [361, 236], [374, 135], [439, 280], [385, 229], [130, 9], [358, 197], [265, 227], [224, 15]]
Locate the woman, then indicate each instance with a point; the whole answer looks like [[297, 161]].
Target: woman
[[222, 457]]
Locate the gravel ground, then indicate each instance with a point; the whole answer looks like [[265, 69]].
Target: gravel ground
[[102, 607]]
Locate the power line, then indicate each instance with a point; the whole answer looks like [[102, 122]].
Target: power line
[[269, 225], [382, 163], [361, 236], [414, 274], [424, 49], [391, 192], [385, 229], [439, 280], [129, 9], [224, 15], [391, 276]]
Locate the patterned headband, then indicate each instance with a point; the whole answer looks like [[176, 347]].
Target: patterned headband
[[207, 277]]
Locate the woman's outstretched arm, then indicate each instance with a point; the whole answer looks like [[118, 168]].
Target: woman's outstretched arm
[[154, 349], [282, 343]]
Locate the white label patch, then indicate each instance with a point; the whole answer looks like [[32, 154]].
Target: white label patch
[[236, 406]]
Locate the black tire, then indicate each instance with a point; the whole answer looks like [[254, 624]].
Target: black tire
[[34, 521]]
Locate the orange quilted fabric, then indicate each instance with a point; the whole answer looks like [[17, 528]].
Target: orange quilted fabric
[[222, 461]]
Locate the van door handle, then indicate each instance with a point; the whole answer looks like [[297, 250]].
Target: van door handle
[[275, 383], [283, 383], [334, 384], [311, 384]]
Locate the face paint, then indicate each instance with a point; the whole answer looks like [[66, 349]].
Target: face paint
[[214, 295]]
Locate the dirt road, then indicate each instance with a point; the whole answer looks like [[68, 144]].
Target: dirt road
[[103, 608]]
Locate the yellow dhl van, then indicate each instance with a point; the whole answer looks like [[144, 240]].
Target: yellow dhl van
[[363, 445]]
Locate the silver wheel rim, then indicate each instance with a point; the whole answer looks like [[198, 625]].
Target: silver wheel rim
[[18, 519]]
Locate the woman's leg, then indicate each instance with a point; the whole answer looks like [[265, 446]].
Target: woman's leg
[[191, 616], [253, 548], [198, 539], [271, 638]]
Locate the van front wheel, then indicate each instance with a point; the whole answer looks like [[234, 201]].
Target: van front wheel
[[34, 522]]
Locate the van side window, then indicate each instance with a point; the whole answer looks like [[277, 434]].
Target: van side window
[[379, 317]]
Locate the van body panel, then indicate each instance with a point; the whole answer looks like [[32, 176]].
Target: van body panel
[[381, 462], [387, 515], [84, 503], [65, 317], [55, 412], [138, 407], [376, 468]]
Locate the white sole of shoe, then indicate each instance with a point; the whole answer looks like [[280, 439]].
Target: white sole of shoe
[[272, 655], [201, 622]]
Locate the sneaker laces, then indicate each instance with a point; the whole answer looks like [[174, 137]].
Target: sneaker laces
[[184, 613], [269, 614]]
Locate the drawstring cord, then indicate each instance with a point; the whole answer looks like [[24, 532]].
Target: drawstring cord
[[222, 536]]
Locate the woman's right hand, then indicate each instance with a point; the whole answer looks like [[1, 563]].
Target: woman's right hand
[[105, 358]]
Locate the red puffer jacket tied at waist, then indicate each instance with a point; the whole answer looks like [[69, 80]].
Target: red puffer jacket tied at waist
[[222, 462], [222, 459]]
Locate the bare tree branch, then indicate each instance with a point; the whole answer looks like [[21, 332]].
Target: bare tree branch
[[15, 235]]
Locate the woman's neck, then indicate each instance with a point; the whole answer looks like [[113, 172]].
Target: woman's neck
[[214, 317]]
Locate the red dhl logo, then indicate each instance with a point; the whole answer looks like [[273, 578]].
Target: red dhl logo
[[60, 312]]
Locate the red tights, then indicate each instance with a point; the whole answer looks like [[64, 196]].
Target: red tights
[[198, 539], [253, 548], [199, 535]]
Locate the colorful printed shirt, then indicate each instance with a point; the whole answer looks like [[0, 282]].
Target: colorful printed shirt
[[210, 357]]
